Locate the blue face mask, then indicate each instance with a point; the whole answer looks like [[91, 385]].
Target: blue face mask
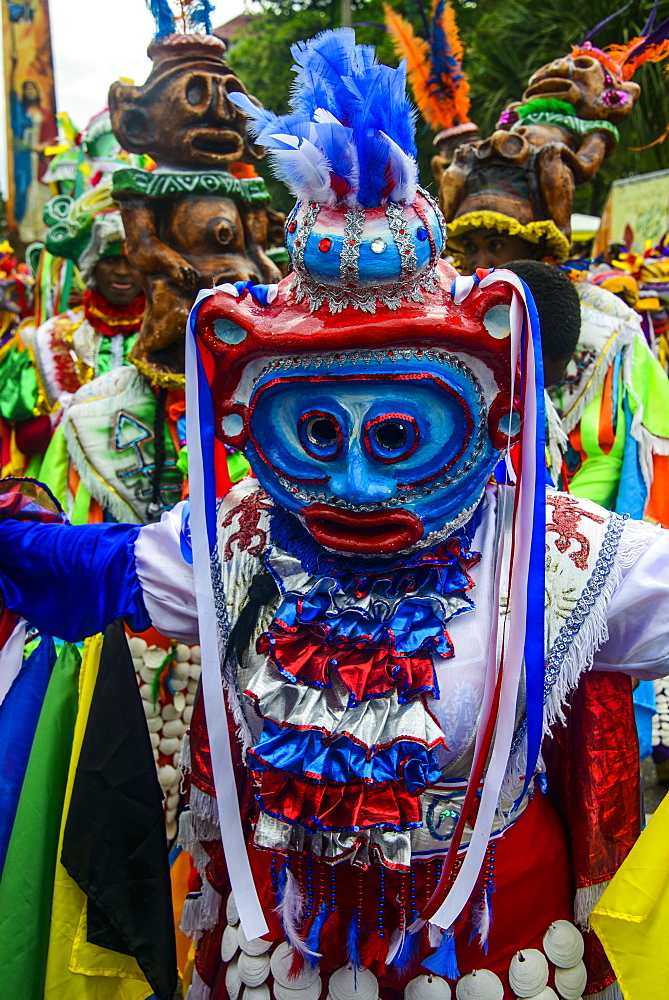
[[374, 458]]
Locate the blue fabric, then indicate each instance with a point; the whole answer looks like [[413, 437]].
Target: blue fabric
[[309, 754], [632, 493], [535, 664], [19, 714], [71, 582], [644, 710], [206, 414], [185, 537]]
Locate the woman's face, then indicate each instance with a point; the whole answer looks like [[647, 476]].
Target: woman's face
[[117, 280]]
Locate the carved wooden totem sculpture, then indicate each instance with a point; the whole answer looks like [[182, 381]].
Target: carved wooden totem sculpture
[[554, 139], [201, 217]]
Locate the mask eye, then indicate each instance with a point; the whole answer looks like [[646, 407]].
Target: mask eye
[[392, 437], [320, 435]]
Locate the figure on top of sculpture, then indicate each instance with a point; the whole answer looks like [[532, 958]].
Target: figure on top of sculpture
[[201, 217], [520, 181]]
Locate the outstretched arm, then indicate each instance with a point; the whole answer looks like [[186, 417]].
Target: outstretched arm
[[71, 582]]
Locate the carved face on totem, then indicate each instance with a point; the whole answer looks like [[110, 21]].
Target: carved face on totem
[[580, 79], [181, 115]]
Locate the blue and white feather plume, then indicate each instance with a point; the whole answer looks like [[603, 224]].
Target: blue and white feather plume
[[350, 136]]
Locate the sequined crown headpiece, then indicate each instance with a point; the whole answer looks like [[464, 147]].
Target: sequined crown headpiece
[[362, 233]]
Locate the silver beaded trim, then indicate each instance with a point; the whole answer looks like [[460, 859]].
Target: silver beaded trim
[[437, 211], [350, 251], [398, 226], [364, 298], [302, 235]]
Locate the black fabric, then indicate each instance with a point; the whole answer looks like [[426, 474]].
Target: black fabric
[[114, 845], [262, 591]]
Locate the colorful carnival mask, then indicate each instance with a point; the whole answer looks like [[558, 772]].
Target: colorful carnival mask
[[378, 431], [368, 403]]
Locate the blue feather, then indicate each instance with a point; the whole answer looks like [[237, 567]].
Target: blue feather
[[313, 939], [199, 16], [444, 961], [407, 953], [353, 944], [341, 101], [446, 71], [163, 16]]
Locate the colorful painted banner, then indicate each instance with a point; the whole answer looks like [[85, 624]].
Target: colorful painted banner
[[31, 113], [636, 210]]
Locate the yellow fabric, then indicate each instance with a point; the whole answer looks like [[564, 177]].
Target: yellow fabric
[[16, 466], [55, 465], [556, 242], [632, 917], [77, 970], [180, 878]]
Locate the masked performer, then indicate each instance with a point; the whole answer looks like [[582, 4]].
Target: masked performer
[[43, 368], [396, 635]]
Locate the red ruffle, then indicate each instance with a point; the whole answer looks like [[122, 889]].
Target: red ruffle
[[366, 671], [354, 806], [109, 319]]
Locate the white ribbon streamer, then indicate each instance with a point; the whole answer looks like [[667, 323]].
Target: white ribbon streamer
[[232, 834], [464, 884]]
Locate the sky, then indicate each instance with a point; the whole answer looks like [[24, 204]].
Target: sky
[[94, 43]]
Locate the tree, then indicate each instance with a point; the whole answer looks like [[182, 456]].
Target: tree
[[505, 41]]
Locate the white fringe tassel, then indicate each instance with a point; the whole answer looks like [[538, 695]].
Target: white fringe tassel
[[198, 989], [580, 656], [201, 912], [623, 339], [204, 812], [585, 901], [184, 756], [557, 439]]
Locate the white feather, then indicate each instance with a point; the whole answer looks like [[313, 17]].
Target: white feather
[[325, 117], [306, 171], [434, 934], [396, 944], [291, 912], [405, 172], [290, 140], [481, 919]]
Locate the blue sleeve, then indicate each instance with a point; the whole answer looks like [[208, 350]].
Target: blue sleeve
[[71, 582]]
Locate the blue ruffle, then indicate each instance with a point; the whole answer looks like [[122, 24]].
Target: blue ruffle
[[413, 624], [310, 754]]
